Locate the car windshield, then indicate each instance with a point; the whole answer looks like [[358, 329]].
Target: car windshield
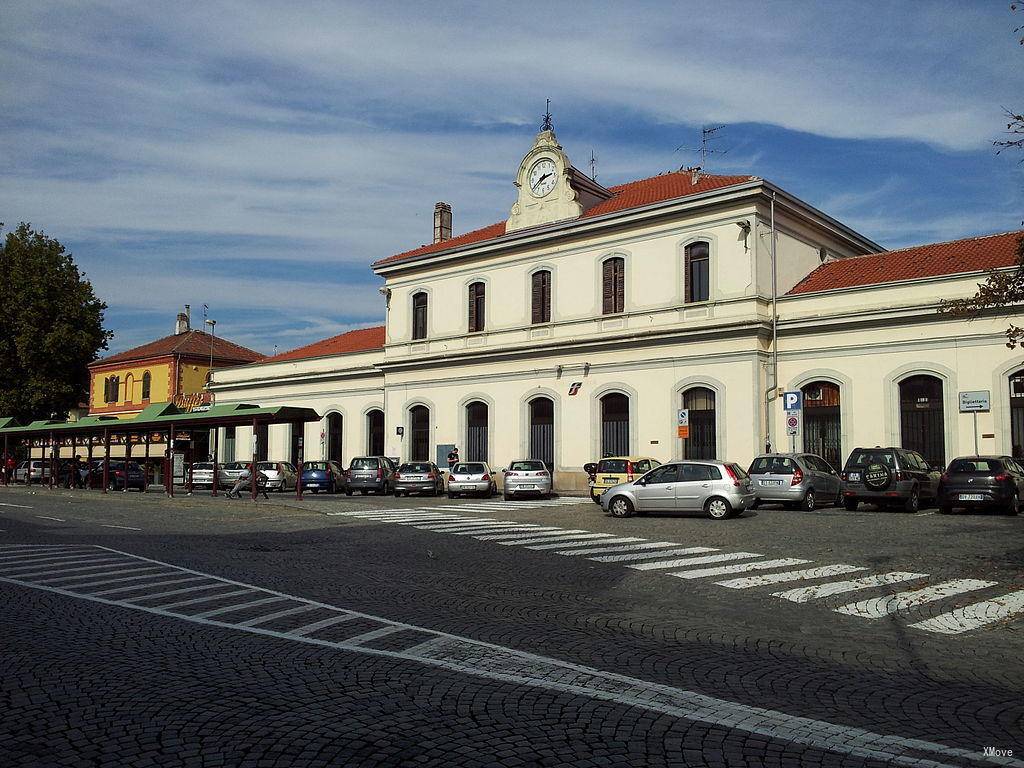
[[315, 466], [975, 467], [864, 458], [526, 466], [612, 465], [202, 466], [415, 467], [772, 465], [468, 469], [364, 463], [235, 465], [265, 465]]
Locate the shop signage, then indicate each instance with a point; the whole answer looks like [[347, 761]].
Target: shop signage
[[192, 402]]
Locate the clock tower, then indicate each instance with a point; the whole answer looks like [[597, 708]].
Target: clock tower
[[550, 188]]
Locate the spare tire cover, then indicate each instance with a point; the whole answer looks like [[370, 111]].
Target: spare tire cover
[[877, 477]]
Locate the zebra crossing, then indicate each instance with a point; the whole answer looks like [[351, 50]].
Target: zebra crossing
[[902, 592]]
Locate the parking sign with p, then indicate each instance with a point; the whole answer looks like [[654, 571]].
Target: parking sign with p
[[793, 401]]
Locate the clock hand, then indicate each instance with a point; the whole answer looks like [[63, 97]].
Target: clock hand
[[543, 177]]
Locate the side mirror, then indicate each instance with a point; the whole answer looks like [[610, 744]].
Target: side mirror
[[641, 481]]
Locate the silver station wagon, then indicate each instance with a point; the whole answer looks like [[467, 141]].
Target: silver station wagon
[[717, 488], [795, 480]]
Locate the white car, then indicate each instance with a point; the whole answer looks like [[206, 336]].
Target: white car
[[40, 471], [471, 477], [281, 475], [527, 477]]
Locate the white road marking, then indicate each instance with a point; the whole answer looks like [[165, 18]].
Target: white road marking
[[454, 519], [493, 529], [974, 616], [355, 512], [239, 607], [47, 517], [316, 626], [278, 615], [208, 598], [50, 557], [580, 540], [180, 591], [630, 548], [777, 578], [107, 562], [803, 594], [136, 587], [496, 663], [18, 506], [405, 518], [125, 527], [664, 564], [651, 555], [589, 546], [132, 568], [877, 607], [58, 560], [540, 532], [10, 548], [468, 526], [761, 565], [373, 634]]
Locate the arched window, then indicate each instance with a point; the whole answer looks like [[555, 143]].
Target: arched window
[[147, 383], [613, 285], [111, 389], [922, 419], [129, 388], [476, 431], [1017, 414], [477, 307], [697, 260], [375, 432], [419, 315], [540, 297], [542, 431], [614, 425], [822, 423], [702, 442], [419, 433], [335, 425]]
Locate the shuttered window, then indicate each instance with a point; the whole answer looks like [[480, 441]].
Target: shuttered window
[[540, 294], [698, 272], [419, 316], [147, 385], [613, 285], [477, 307], [111, 389]]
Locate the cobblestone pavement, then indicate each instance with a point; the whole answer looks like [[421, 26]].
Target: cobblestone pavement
[[370, 631]]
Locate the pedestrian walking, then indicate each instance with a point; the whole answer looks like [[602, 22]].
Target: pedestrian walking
[[453, 458]]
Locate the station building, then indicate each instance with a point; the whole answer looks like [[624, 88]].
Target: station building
[[580, 325]]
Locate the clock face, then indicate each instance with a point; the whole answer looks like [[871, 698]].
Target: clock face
[[542, 177]]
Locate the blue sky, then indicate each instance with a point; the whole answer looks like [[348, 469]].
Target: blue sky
[[257, 157]]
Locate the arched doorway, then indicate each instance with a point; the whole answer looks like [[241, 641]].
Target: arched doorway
[[476, 431], [615, 425], [922, 421], [822, 422], [703, 440], [419, 433], [375, 432], [1017, 414], [334, 442], [542, 431]]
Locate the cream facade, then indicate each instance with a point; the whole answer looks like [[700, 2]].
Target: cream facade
[[648, 305]]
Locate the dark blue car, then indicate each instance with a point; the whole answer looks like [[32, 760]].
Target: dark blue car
[[322, 476]]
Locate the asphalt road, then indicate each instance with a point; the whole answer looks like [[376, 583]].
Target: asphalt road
[[373, 631]]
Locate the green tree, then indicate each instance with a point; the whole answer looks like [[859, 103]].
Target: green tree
[[51, 327]]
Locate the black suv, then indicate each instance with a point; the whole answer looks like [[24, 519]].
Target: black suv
[[888, 477], [982, 481]]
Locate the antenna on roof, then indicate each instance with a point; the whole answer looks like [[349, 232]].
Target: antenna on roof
[[547, 125], [707, 135], [593, 165]]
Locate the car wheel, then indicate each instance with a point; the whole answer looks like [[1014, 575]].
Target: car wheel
[[718, 508], [913, 503], [1014, 507], [621, 507], [507, 496], [755, 504], [111, 486], [945, 509], [452, 495], [808, 503], [849, 504], [348, 491], [364, 491]]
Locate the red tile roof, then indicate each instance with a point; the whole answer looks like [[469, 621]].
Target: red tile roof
[[635, 194], [362, 340], [196, 343], [973, 254]]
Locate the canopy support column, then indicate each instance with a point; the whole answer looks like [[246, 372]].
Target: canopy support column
[[216, 440], [106, 458], [170, 463], [53, 449], [252, 466], [127, 459]]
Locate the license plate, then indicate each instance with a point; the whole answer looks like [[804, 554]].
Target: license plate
[[312, 485], [855, 476], [611, 480], [771, 482], [972, 497], [527, 487]]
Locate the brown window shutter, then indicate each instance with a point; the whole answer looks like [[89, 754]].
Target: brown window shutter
[[687, 278], [481, 306], [608, 287], [472, 307], [535, 298], [546, 298], [620, 285]]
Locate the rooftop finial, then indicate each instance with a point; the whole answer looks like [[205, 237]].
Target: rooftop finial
[[547, 125]]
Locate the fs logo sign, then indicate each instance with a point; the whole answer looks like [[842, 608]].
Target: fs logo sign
[[574, 388]]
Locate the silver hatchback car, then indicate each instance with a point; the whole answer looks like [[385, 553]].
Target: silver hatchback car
[[720, 489], [795, 480], [527, 477]]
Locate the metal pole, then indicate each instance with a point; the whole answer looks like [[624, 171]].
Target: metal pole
[[252, 465], [302, 443], [106, 458], [6, 457], [52, 462], [170, 463], [127, 458], [190, 461], [975, 415], [88, 462], [216, 440], [145, 466]]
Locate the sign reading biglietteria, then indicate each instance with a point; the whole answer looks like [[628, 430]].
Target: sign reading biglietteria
[[974, 402]]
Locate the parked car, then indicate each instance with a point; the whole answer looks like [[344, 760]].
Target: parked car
[[419, 477], [888, 477], [370, 473], [529, 477], [39, 471], [228, 473], [322, 476], [973, 482], [281, 475], [471, 477], [795, 479], [202, 474], [615, 470], [117, 479], [719, 489]]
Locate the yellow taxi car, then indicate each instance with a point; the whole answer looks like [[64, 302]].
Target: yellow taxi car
[[617, 469]]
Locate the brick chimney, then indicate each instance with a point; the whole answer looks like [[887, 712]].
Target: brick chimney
[[442, 222], [182, 324]]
